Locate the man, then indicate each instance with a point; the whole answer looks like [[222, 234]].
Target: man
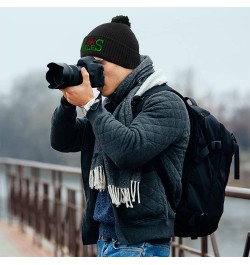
[[129, 213]]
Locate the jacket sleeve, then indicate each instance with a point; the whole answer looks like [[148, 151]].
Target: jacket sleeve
[[66, 129], [162, 122]]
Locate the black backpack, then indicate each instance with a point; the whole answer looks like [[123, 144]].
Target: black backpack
[[205, 171]]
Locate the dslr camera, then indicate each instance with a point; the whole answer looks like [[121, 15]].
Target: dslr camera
[[62, 75]]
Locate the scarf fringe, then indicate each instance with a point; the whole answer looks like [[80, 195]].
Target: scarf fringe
[[118, 195], [97, 179], [125, 195]]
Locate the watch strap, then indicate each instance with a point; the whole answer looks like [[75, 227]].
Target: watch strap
[[88, 105]]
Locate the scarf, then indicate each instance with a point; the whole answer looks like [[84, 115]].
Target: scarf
[[122, 184]]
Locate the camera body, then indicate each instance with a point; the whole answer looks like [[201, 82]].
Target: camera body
[[62, 75]]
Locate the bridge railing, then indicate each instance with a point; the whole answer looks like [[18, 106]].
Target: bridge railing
[[50, 200]]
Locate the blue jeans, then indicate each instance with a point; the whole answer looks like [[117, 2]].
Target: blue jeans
[[115, 249]]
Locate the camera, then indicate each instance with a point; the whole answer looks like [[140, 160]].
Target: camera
[[62, 75]]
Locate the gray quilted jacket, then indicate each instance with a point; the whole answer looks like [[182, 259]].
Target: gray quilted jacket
[[160, 130]]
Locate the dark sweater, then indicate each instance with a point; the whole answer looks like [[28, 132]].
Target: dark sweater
[[104, 215]]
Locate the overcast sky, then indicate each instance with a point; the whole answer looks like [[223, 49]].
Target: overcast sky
[[213, 42]]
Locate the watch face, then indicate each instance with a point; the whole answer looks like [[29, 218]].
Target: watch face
[[95, 105]]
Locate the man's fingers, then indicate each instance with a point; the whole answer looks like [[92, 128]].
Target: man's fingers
[[85, 76], [64, 93]]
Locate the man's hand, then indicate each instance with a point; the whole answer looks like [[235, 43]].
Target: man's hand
[[81, 94]]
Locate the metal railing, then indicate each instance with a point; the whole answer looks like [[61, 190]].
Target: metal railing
[[39, 197]]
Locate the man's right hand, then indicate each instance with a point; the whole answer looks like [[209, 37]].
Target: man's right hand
[[81, 94]]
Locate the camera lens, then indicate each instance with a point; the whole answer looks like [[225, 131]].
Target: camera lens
[[58, 78], [62, 75]]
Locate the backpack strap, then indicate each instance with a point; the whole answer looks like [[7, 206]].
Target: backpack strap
[[216, 145], [236, 158], [138, 101]]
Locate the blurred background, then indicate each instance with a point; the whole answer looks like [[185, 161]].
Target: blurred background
[[204, 52]]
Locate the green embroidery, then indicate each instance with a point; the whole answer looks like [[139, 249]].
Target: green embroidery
[[92, 44]]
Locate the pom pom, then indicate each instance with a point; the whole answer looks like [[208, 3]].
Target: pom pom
[[121, 19]]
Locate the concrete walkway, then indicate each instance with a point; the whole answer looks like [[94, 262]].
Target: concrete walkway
[[14, 243]]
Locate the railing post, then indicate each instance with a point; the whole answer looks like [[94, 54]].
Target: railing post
[[36, 206], [72, 246], [57, 207], [204, 246], [45, 211], [180, 251], [214, 245], [11, 197], [247, 246], [27, 209], [20, 196], [173, 247]]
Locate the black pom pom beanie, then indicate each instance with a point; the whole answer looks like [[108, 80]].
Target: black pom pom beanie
[[114, 42]]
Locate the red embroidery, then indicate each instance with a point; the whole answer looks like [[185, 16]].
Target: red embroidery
[[90, 41]]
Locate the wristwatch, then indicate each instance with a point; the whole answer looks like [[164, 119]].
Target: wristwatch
[[92, 104]]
